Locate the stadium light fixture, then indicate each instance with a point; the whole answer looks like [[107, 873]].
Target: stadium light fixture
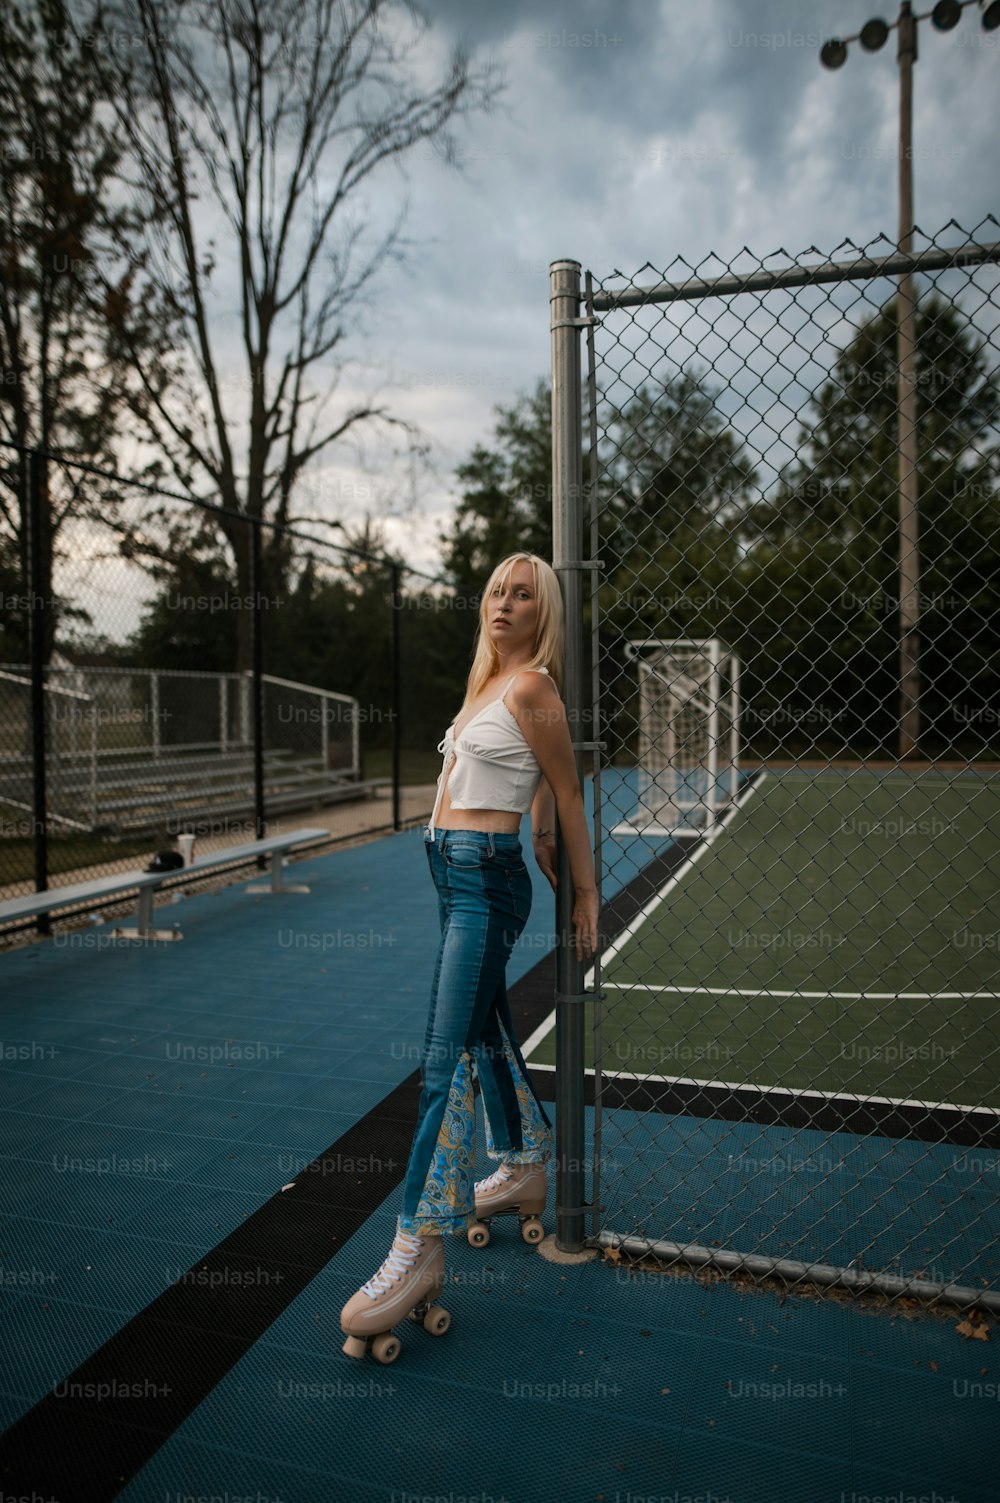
[[873, 35], [833, 54], [991, 14], [946, 14]]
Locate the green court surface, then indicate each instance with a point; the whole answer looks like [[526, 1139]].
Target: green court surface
[[839, 932]]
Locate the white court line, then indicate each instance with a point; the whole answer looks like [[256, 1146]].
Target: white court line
[[736, 991], [545, 1028], [749, 1085]]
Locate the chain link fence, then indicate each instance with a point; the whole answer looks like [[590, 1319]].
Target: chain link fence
[[794, 1063], [171, 668]]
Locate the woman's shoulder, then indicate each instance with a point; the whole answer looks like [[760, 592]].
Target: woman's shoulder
[[532, 686]]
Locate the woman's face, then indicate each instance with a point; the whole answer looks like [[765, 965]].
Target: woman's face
[[512, 611]]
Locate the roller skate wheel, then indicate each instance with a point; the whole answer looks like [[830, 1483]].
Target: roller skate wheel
[[355, 1347], [385, 1348], [532, 1230], [437, 1320], [478, 1235]]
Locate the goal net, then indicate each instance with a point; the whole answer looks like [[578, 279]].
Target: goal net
[[688, 730]]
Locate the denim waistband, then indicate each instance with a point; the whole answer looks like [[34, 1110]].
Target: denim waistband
[[490, 839]]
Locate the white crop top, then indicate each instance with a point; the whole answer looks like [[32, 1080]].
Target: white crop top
[[495, 767]]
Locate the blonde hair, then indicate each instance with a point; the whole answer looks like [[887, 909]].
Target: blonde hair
[[550, 629]]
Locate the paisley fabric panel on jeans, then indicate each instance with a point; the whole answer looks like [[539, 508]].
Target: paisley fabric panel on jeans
[[536, 1135], [447, 1203]]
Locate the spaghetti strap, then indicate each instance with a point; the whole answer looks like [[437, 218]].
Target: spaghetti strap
[[525, 670], [503, 696]]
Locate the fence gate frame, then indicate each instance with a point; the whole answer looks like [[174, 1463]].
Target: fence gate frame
[[574, 309]]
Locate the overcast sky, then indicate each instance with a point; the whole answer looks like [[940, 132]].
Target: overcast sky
[[639, 133], [653, 131]]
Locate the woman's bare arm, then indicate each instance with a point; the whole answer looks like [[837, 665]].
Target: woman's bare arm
[[543, 831], [541, 714]]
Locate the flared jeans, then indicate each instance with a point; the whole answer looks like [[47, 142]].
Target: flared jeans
[[484, 896]]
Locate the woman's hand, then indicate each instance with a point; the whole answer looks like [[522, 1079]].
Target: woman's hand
[[585, 916], [585, 906], [545, 855]]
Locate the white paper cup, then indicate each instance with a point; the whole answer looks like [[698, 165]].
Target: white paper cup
[[186, 844]]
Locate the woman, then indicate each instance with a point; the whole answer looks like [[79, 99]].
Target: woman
[[507, 751]]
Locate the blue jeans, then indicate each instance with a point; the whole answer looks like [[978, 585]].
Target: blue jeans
[[484, 896]]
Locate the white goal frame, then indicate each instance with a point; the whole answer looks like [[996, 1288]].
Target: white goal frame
[[689, 708]]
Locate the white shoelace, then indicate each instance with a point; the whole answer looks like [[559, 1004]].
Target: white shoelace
[[402, 1256], [497, 1178]]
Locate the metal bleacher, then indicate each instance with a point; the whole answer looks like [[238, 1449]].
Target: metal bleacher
[[112, 788]]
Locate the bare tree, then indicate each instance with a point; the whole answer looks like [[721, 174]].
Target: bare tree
[[255, 127]]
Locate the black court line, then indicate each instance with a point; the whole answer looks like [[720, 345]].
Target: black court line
[[867, 1118], [98, 1427], [87, 1438]]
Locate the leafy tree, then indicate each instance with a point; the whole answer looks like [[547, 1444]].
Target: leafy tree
[[506, 500], [823, 554], [175, 632], [675, 482], [677, 485]]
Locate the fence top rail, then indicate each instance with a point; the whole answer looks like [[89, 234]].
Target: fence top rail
[[72, 669], [25, 683], [289, 683], [798, 276]]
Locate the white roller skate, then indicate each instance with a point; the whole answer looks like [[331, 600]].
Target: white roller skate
[[513, 1188], [407, 1284]]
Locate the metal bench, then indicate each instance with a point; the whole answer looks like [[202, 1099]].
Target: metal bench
[[147, 883]]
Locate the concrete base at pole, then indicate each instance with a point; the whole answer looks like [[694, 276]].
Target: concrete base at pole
[[552, 1253]]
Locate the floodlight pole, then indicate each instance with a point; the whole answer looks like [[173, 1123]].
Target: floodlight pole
[[906, 361], [833, 54]]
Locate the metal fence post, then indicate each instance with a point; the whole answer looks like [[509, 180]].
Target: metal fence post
[[37, 490], [906, 357], [567, 555], [395, 605], [260, 823], [154, 709]]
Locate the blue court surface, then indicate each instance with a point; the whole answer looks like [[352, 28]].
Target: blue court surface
[[154, 1098]]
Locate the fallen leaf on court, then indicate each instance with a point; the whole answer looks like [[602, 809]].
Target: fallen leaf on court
[[975, 1328], [933, 1366], [612, 1255]]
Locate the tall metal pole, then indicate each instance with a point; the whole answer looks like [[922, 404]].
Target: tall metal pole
[[906, 351], [396, 708], [256, 570], [567, 556], [37, 539]]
